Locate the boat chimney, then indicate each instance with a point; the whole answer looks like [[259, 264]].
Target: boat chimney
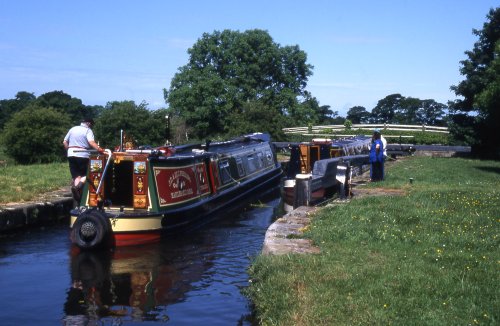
[[167, 129], [121, 140]]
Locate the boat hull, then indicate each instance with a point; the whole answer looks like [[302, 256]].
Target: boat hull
[[146, 227]]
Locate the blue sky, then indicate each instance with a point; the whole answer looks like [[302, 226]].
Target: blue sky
[[362, 51]]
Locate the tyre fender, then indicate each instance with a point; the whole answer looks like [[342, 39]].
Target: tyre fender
[[91, 230]]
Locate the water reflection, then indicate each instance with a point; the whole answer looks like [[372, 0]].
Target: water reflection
[[133, 282], [139, 283]]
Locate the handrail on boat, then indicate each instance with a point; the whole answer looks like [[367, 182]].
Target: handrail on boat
[[110, 157]]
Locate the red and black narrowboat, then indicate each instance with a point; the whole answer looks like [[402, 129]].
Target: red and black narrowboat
[[134, 196]]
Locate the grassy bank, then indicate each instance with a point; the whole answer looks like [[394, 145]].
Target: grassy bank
[[428, 257], [25, 182]]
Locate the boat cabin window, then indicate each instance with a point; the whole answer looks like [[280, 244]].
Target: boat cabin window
[[252, 164], [260, 161], [239, 164], [225, 173]]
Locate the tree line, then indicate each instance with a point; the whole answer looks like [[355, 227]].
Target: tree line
[[240, 82], [33, 127]]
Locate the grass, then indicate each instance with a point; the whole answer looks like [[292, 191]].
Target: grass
[[25, 182], [429, 257]]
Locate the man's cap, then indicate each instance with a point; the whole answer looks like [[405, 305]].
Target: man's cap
[[89, 120]]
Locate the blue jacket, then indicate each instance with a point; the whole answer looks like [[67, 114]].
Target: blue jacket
[[374, 157]]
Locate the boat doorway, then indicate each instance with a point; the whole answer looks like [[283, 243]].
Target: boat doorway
[[119, 181]]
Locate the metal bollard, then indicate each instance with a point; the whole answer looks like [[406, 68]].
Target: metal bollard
[[302, 190]]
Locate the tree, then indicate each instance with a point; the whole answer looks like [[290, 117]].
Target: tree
[[34, 135], [358, 114], [145, 127], [406, 111], [65, 103], [9, 107], [313, 113], [488, 102], [328, 116], [228, 69], [256, 117], [57, 100], [398, 109], [386, 108], [474, 117], [431, 113]]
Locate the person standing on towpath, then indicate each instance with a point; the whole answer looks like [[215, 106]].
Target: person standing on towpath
[[376, 157]]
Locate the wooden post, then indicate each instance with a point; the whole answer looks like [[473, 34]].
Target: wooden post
[[302, 190]]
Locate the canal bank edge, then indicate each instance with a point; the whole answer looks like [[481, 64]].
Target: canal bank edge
[[48, 209], [284, 235]]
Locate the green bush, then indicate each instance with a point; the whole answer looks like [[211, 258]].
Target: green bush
[[35, 134]]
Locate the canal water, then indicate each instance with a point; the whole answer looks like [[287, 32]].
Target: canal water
[[194, 279]]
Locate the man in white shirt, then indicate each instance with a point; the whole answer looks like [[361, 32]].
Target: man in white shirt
[[384, 144], [77, 139]]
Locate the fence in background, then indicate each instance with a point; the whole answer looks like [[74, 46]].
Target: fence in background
[[327, 130]]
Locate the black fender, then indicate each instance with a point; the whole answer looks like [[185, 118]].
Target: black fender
[[91, 230]]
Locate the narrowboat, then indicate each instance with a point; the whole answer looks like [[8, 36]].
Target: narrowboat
[[321, 161], [133, 196]]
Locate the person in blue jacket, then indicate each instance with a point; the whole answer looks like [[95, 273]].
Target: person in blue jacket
[[376, 157]]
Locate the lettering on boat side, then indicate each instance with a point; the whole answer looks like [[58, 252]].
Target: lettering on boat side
[[179, 184], [181, 193], [175, 180]]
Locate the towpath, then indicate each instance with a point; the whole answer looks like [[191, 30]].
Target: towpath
[[48, 208], [284, 236]]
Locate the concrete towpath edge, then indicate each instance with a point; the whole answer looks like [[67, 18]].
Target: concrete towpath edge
[[47, 209], [284, 235]]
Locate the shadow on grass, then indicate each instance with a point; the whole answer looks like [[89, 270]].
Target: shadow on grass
[[492, 169]]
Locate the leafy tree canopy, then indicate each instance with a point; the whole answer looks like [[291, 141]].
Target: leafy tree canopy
[[65, 103], [397, 109], [227, 70], [57, 100], [146, 127], [385, 110], [480, 90], [9, 107], [256, 114], [34, 135], [358, 114]]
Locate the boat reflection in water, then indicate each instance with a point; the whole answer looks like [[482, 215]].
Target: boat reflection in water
[[131, 282], [191, 278]]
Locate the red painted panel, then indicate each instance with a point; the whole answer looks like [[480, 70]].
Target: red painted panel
[[179, 184], [201, 173]]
